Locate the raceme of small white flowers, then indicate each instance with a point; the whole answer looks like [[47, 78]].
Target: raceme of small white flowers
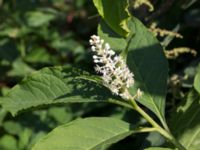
[[115, 73]]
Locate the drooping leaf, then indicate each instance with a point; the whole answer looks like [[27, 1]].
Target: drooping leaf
[[53, 85], [88, 134], [115, 14], [117, 42], [185, 123], [146, 60], [197, 80]]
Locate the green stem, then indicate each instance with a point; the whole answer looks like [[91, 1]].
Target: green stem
[[164, 132], [144, 114], [145, 129], [120, 103]]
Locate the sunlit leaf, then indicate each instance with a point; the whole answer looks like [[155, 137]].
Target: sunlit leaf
[[88, 134], [54, 85], [115, 14]]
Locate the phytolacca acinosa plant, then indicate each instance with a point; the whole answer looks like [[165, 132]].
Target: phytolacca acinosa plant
[[115, 73]]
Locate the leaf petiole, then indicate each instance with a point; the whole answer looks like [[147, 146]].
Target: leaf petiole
[[165, 132]]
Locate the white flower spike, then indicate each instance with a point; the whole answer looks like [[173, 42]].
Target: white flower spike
[[115, 73]]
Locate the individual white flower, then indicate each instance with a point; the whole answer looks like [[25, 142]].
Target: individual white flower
[[139, 93], [115, 73]]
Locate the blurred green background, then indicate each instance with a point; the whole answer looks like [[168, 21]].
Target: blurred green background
[[40, 33]]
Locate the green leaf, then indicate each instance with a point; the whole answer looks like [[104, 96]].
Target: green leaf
[[20, 68], [53, 85], [39, 55], [115, 14], [146, 60], [38, 18], [154, 139], [12, 127], [3, 114], [24, 138], [88, 134], [157, 148], [117, 42], [185, 124], [60, 114], [8, 142], [197, 80]]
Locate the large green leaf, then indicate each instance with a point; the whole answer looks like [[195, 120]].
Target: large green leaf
[[149, 65], [115, 14], [197, 80], [185, 123], [88, 134], [146, 60], [53, 85]]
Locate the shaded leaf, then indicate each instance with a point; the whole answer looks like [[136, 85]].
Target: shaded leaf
[[89, 134], [149, 65]]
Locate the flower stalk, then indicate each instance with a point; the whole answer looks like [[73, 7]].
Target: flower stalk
[[118, 78], [115, 73]]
